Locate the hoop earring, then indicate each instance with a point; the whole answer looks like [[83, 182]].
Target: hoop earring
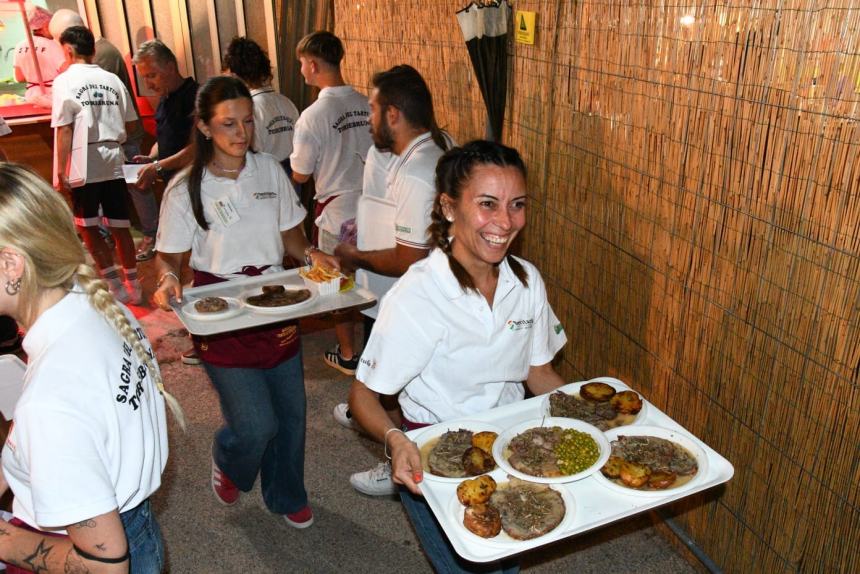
[[12, 287]]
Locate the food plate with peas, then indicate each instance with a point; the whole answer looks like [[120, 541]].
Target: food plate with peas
[[551, 450]]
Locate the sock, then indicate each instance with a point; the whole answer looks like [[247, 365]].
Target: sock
[[130, 275], [111, 275]]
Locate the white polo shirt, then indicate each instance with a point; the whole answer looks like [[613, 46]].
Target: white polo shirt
[[105, 104], [90, 430], [395, 204], [331, 139], [274, 120], [254, 209], [447, 352]]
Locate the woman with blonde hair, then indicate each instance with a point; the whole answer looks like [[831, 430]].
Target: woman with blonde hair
[[89, 439]]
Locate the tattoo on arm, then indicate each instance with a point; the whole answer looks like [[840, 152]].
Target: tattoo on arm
[[37, 561], [101, 547], [4, 532], [75, 564], [89, 523]]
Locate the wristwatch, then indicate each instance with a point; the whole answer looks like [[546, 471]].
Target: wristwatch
[[159, 170]]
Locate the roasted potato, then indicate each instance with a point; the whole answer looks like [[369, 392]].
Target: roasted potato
[[598, 392], [633, 474], [661, 479], [476, 490], [483, 520], [612, 468], [484, 440], [626, 402], [477, 461]]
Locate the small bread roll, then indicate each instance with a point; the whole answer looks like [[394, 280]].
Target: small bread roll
[[612, 468], [483, 520], [598, 392], [661, 479], [477, 461], [633, 474], [626, 402], [476, 490], [484, 440]]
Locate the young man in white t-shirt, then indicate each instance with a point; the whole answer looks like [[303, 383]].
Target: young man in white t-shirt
[[393, 221], [104, 105], [330, 142]]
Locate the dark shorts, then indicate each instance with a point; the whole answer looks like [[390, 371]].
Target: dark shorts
[[109, 195]]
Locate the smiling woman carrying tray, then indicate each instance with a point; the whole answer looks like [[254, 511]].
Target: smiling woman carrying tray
[[235, 213], [461, 329]]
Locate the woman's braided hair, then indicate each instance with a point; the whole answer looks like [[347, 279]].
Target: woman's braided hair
[[453, 172], [37, 224]]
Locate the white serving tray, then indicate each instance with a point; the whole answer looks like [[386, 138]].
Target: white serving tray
[[596, 505], [355, 298]]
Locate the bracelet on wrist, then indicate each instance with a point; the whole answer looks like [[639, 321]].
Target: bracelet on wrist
[[385, 439], [308, 251], [164, 276]]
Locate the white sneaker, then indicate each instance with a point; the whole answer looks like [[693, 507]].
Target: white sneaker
[[374, 482], [344, 418]]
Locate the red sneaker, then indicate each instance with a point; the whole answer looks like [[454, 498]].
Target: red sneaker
[[224, 489], [301, 518]]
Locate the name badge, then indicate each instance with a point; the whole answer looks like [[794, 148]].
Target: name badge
[[225, 212]]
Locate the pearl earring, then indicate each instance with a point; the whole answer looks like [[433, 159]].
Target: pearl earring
[[449, 218]]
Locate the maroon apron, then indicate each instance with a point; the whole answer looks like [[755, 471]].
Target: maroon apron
[[261, 347]]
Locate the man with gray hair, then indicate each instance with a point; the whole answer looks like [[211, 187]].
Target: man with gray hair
[[174, 118], [108, 58]]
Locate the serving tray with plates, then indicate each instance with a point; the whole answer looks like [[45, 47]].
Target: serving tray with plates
[[592, 501], [241, 315]]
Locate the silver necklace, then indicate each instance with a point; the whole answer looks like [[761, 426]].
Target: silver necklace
[[225, 170]]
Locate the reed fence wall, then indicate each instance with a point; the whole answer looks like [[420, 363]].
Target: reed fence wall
[[694, 205]]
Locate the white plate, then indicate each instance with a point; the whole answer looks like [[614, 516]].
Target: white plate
[[677, 437], [502, 442], [439, 430], [573, 389], [502, 540], [283, 308], [234, 307]]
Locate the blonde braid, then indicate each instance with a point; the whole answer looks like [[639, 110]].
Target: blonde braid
[[103, 302]]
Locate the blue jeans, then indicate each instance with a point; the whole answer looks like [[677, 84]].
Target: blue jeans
[[439, 551], [264, 432], [144, 540], [144, 201]]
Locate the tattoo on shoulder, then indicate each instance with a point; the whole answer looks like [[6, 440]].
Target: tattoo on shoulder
[[74, 564], [37, 561], [4, 532], [89, 523]]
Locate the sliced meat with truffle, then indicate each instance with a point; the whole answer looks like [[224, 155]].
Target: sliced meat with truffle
[[446, 458], [656, 453], [532, 451], [528, 510]]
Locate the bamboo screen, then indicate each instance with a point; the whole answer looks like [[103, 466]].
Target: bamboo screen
[[695, 196]]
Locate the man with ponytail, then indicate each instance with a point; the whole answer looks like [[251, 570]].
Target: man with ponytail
[[89, 443], [392, 218]]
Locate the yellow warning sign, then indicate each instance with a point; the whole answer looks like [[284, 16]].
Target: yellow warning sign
[[525, 27]]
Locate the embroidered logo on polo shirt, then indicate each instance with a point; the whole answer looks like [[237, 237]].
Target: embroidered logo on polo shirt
[[370, 363], [402, 229], [265, 195], [519, 325], [558, 328]]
